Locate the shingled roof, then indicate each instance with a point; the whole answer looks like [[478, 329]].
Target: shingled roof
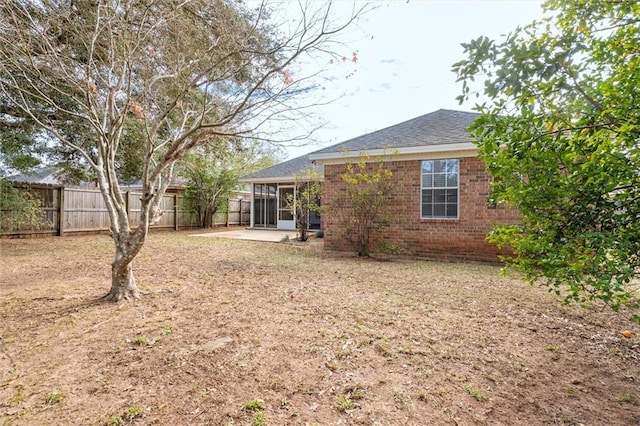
[[287, 170], [442, 127]]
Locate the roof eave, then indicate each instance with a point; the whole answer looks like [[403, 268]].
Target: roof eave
[[466, 149], [276, 179]]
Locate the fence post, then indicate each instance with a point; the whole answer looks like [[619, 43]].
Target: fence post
[[175, 210], [61, 211]]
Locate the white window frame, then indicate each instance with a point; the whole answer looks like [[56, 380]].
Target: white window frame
[[456, 187]]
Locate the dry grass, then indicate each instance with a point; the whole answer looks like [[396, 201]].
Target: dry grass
[[313, 337]]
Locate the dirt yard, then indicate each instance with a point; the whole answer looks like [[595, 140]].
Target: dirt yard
[[249, 333]]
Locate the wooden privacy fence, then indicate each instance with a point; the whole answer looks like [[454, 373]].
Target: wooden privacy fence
[[68, 210]]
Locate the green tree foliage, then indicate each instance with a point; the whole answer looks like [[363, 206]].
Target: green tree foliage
[[18, 208], [212, 172], [130, 87], [560, 133], [363, 211]]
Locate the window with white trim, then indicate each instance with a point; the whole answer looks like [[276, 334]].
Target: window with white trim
[[439, 189]]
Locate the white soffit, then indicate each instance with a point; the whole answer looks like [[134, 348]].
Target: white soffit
[[408, 153]]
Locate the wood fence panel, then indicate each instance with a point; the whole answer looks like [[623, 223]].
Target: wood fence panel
[[219, 219], [134, 206], [168, 218], [234, 213], [186, 218], [84, 210], [167, 205]]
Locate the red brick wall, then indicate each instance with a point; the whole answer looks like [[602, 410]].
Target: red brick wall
[[448, 239]]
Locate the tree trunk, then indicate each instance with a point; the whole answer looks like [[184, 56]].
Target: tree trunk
[[123, 283]]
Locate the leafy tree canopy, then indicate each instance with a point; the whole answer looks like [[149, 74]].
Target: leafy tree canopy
[[18, 208], [212, 171], [560, 133]]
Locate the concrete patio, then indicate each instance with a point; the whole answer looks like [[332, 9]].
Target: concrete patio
[[269, 235]]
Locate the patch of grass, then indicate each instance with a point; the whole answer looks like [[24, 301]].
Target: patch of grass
[[412, 350], [255, 405], [422, 396], [475, 392], [355, 393], [163, 333], [139, 341], [628, 398], [344, 403], [134, 411], [285, 239], [260, 418], [18, 396], [553, 348], [346, 400], [54, 397], [258, 407], [344, 353], [113, 421], [383, 347]]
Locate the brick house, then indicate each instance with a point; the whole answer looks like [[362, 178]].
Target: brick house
[[439, 201]]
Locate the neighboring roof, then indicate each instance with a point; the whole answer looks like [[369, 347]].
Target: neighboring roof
[[44, 175], [439, 131], [441, 127], [287, 170], [48, 175]]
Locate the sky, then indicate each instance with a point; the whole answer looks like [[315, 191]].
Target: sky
[[405, 50]]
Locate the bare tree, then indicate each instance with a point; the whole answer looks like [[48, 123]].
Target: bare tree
[[177, 72]]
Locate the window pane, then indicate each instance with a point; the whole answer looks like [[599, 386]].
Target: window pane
[[285, 215], [439, 180], [452, 179], [452, 166], [443, 177], [286, 196]]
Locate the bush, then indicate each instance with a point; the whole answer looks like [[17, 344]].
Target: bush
[[362, 212]]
